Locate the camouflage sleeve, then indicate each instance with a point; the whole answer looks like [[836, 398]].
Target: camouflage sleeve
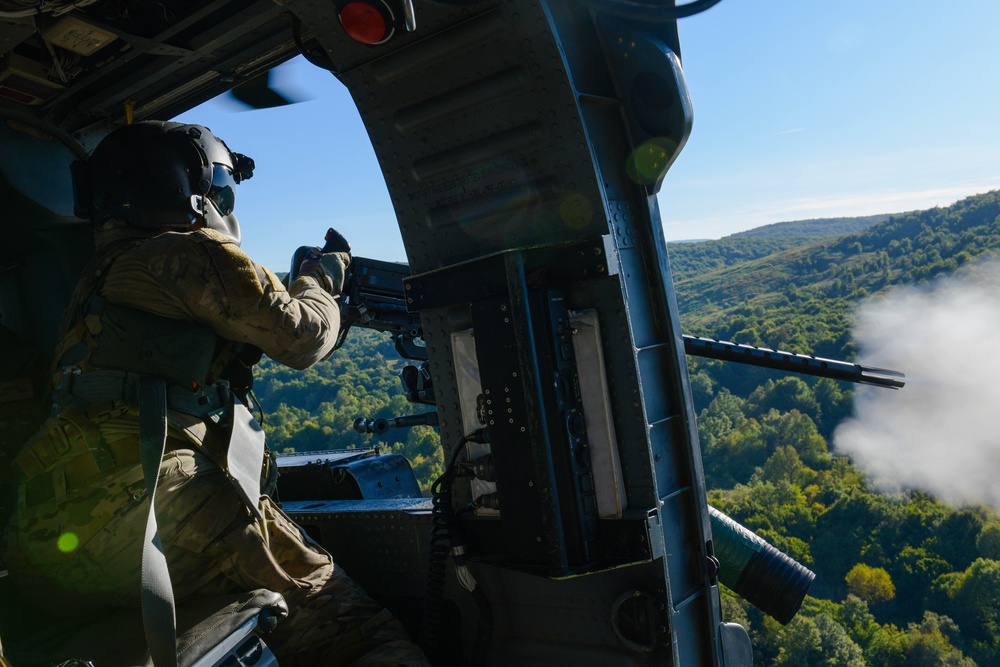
[[205, 277]]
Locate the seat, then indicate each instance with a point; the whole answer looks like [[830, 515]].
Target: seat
[[219, 630]]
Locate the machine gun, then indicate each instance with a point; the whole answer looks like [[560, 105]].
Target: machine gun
[[374, 298]]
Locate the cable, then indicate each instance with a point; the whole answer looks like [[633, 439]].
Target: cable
[[345, 326], [442, 519], [446, 540], [260, 408], [485, 633], [14, 9]]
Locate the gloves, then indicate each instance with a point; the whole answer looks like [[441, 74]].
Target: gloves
[[328, 268]]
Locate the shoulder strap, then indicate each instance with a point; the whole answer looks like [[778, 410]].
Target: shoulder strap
[[86, 300]]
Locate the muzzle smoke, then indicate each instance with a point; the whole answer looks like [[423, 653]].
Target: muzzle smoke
[[941, 432]]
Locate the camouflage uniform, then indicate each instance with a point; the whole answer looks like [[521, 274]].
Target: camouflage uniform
[[77, 532]]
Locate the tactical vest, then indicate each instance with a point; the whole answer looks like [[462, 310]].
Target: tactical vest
[[102, 335]]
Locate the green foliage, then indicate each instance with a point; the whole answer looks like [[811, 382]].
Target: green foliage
[[815, 227], [859, 622], [988, 542], [800, 299], [871, 584], [931, 644], [692, 259], [315, 409], [972, 598], [931, 572]]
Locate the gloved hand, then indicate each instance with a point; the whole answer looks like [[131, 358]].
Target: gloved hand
[[326, 267]]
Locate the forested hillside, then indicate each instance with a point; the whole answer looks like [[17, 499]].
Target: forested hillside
[[903, 579], [691, 259], [816, 227], [315, 409]]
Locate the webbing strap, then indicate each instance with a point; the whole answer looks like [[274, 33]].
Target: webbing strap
[[158, 619], [245, 457]]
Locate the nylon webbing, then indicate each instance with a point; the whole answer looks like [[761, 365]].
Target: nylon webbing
[[158, 619]]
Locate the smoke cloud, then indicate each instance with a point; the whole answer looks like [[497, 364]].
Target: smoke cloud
[[941, 432]]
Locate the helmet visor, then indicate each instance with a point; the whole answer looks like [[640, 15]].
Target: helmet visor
[[223, 190]]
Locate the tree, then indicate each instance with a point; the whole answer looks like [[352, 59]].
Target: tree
[[783, 466], [799, 643], [730, 441], [796, 430], [315, 409], [889, 646], [955, 537], [913, 569], [871, 584], [929, 645], [839, 650], [845, 529], [858, 621], [819, 641], [777, 507], [988, 541], [788, 393], [835, 404], [702, 388], [972, 598]]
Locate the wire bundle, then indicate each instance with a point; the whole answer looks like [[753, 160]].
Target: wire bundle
[[12, 9]]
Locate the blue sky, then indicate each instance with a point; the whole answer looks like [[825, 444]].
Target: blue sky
[[803, 109]]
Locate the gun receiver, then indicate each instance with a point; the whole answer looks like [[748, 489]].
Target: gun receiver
[[373, 299], [791, 362]]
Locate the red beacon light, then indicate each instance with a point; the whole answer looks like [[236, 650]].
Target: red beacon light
[[368, 21]]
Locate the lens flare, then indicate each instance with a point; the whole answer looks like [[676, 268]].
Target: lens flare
[[648, 163], [68, 542], [576, 211]]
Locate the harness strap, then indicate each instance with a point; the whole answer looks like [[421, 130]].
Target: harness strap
[[158, 615], [245, 457]]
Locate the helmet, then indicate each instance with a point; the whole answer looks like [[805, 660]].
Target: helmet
[[156, 175]]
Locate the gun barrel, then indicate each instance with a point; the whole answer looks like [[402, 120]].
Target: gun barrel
[[381, 425], [792, 362]]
